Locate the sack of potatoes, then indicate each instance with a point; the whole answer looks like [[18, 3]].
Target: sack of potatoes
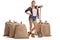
[[44, 28]]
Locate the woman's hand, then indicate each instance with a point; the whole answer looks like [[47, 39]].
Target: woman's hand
[[28, 13], [40, 6]]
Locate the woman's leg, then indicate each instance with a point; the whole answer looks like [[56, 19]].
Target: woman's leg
[[35, 26], [30, 22]]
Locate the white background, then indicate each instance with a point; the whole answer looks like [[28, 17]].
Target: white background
[[14, 10]]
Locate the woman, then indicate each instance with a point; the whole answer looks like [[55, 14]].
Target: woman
[[34, 12]]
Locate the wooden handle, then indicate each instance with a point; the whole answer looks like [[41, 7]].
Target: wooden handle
[[21, 22], [40, 15]]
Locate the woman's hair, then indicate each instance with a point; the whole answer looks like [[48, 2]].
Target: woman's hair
[[32, 1]]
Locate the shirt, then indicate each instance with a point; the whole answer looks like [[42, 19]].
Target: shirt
[[30, 9], [34, 11]]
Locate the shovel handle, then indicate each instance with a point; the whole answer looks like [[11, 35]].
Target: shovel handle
[[40, 15], [40, 11]]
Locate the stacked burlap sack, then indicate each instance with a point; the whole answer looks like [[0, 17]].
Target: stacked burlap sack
[[44, 28], [21, 31], [7, 28], [15, 30]]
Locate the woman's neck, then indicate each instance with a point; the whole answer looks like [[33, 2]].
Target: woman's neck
[[33, 6]]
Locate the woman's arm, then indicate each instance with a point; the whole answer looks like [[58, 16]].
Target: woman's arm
[[40, 6], [26, 11]]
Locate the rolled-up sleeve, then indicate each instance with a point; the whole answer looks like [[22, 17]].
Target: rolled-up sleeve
[[37, 13], [27, 9]]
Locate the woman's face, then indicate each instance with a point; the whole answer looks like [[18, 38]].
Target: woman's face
[[33, 3]]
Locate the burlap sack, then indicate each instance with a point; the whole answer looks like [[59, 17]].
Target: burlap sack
[[21, 31], [44, 28], [6, 31], [12, 29], [47, 29], [39, 32]]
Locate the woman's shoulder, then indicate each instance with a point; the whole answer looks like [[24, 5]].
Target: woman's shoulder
[[36, 6], [29, 7]]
